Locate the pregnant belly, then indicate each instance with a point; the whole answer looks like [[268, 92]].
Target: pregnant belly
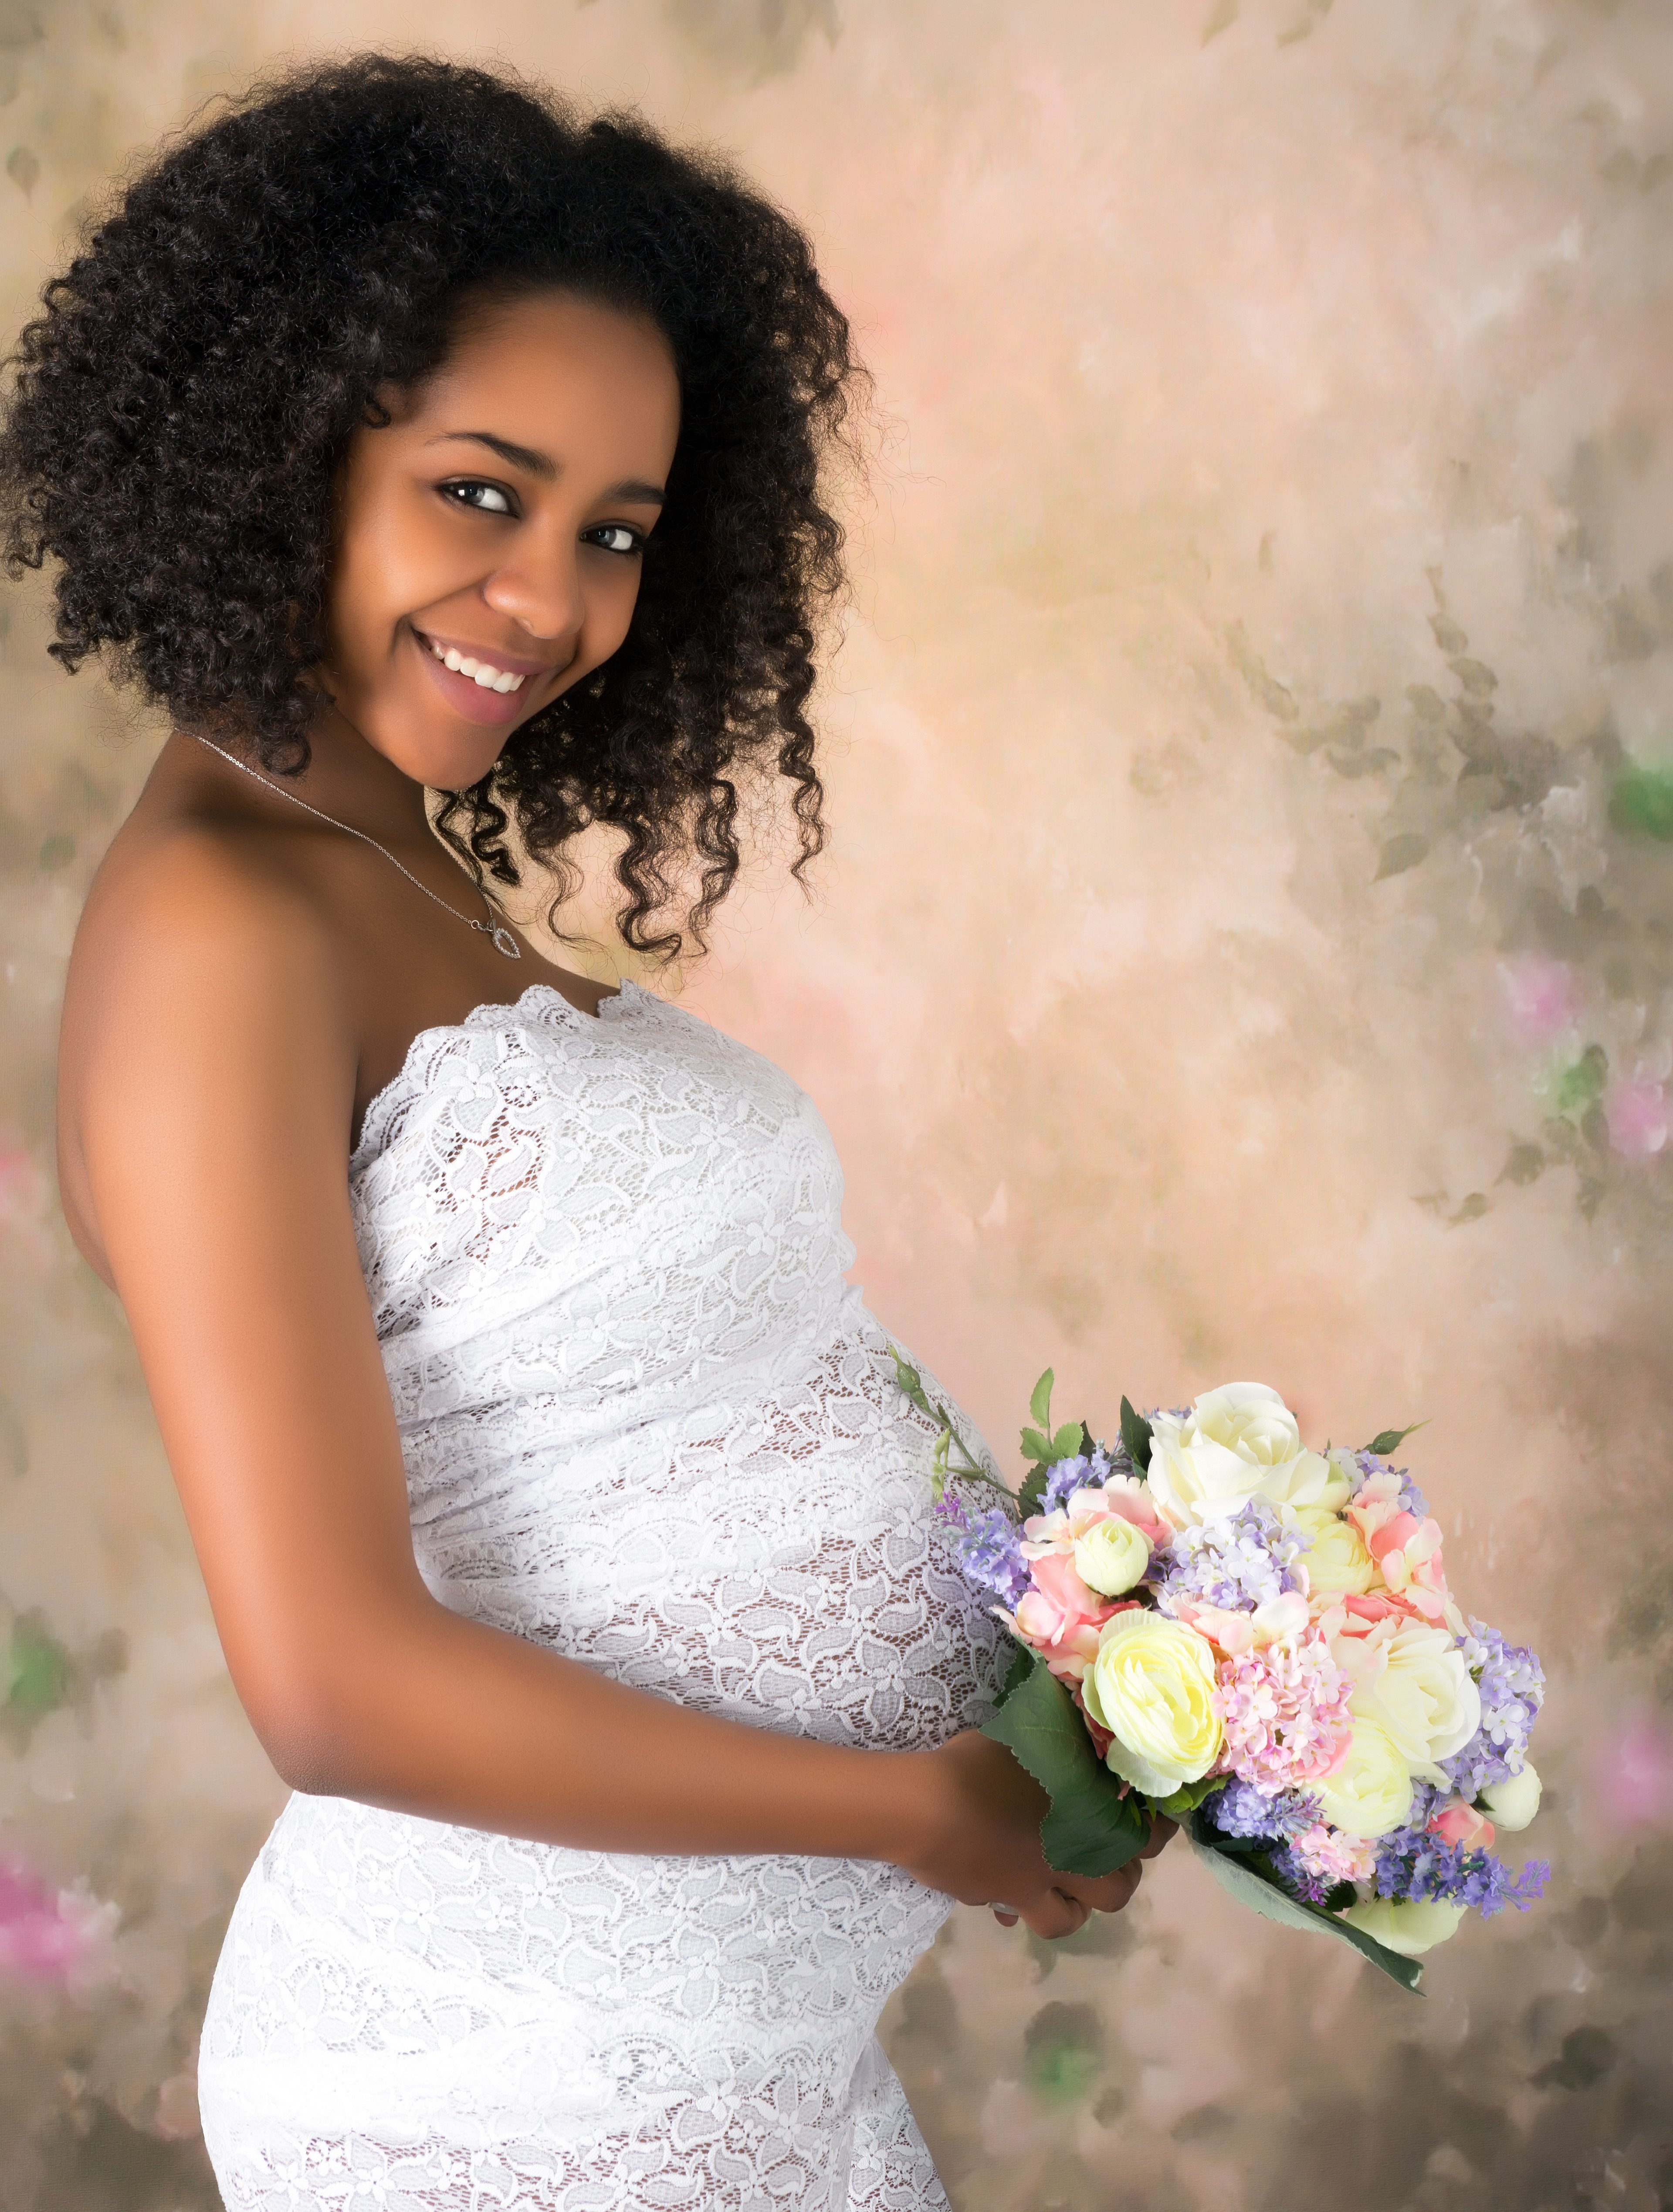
[[774, 1560], [373, 1934]]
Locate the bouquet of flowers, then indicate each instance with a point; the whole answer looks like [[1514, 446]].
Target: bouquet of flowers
[[1214, 1623]]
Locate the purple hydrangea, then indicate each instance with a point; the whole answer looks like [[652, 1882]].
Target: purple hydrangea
[[1512, 1687], [1301, 1881], [989, 1549], [1088, 1469], [1240, 1809], [1245, 1560], [1065, 1476], [1411, 1497]]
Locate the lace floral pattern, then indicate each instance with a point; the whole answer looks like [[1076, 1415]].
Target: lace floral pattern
[[645, 1422]]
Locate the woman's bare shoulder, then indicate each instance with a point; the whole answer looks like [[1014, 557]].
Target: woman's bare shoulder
[[181, 876], [204, 966]]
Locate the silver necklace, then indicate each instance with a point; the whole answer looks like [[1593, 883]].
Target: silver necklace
[[495, 932]]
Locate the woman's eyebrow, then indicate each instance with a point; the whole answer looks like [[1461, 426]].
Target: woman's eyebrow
[[526, 458], [534, 463]]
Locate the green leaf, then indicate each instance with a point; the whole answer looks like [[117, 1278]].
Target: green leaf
[[1036, 1446], [1091, 1828], [1032, 1496], [1021, 1666], [1578, 1086], [37, 1672], [1068, 1441], [1240, 1879], [1135, 1434], [1039, 1406], [1189, 1796], [1642, 799], [1388, 1440]]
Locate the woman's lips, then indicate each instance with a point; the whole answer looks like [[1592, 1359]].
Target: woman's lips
[[469, 699]]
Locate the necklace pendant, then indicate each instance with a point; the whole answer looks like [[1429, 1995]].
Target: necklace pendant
[[503, 941]]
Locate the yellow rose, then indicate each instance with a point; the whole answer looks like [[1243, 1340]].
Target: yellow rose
[[1111, 1555], [1410, 1929], [1338, 1564], [1370, 1793], [1152, 1686]]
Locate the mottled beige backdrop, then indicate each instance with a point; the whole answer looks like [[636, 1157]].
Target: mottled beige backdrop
[[1245, 950]]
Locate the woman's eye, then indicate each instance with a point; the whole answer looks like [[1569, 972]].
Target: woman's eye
[[615, 538], [486, 498]]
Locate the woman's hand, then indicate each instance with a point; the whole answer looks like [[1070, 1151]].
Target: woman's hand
[[982, 1843]]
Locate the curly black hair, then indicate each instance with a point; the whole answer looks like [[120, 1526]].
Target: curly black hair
[[181, 407]]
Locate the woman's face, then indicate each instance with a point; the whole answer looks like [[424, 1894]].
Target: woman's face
[[489, 537]]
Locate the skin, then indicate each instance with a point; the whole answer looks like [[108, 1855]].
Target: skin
[[245, 980]]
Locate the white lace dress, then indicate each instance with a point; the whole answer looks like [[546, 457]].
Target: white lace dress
[[647, 1423]]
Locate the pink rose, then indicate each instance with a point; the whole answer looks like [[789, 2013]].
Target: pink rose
[[1122, 1498], [1407, 1550], [1377, 1606], [1458, 1823], [1129, 1497], [1061, 1616]]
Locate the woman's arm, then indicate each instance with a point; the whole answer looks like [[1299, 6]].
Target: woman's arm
[[208, 1072]]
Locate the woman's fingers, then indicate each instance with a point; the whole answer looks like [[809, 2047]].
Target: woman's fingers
[[1106, 1893], [1162, 1834], [1073, 1898], [1056, 1914]]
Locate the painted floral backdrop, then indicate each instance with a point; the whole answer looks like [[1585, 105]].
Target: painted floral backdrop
[[1247, 950]]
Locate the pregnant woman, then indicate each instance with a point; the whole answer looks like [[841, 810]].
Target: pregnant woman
[[568, 1542]]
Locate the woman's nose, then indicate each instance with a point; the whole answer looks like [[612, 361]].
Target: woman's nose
[[541, 591]]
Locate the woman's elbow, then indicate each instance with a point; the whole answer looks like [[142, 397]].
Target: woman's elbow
[[317, 1741]]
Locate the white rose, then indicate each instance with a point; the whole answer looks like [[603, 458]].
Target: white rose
[[1370, 1793], [1152, 1687], [1112, 1557], [1511, 1805], [1414, 1684], [1410, 1929], [1237, 1443]]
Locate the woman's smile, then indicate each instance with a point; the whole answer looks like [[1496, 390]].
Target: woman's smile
[[485, 684]]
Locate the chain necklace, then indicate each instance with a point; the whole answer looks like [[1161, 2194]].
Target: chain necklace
[[495, 932]]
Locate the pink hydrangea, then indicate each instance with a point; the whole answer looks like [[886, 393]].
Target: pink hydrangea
[[1285, 1710]]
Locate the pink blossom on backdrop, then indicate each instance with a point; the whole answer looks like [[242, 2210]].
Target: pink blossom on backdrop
[[1637, 1115], [1540, 996]]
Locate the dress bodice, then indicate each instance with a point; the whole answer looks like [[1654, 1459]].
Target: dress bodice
[[645, 1418], [665, 1201]]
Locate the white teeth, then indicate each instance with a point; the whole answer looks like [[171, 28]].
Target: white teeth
[[482, 672]]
